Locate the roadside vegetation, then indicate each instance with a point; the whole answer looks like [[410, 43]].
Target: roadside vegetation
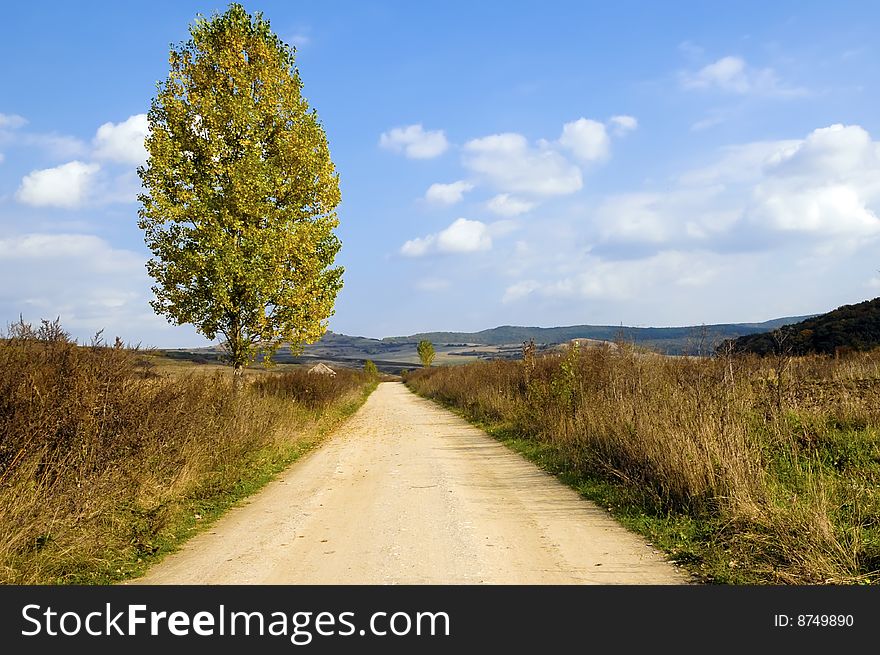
[[745, 470], [107, 465]]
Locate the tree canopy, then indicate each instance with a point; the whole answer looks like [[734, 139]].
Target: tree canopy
[[240, 192], [426, 352], [850, 327]]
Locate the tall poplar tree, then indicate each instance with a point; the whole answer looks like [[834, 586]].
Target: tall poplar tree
[[241, 193]]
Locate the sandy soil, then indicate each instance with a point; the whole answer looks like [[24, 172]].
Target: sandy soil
[[408, 493]]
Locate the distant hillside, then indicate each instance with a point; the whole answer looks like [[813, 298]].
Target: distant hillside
[[668, 340], [854, 327], [393, 354]]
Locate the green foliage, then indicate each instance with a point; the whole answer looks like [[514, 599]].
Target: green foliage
[[370, 369], [239, 209], [847, 328], [426, 352]]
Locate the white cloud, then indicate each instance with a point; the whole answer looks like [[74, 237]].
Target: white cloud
[[830, 210], [837, 150], [80, 277], [503, 227], [462, 236], [519, 290], [418, 246], [11, 121], [600, 279], [732, 74], [510, 164], [737, 164], [68, 185], [824, 188], [122, 142], [448, 194], [506, 205], [715, 118], [623, 124], [587, 139], [101, 257], [728, 74], [827, 185], [633, 217], [414, 142], [2, 157], [59, 146]]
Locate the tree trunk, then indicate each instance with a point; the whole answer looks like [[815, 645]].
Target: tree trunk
[[237, 377], [236, 355]]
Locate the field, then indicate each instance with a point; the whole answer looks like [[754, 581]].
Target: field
[[745, 470], [110, 457]]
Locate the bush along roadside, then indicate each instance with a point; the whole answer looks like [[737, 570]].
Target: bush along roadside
[[106, 467], [744, 470]]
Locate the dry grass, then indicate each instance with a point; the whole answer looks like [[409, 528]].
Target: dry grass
[[105, 464], [773, 463]]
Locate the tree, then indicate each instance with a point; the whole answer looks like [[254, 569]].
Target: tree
[[239, 209], [370, 369], [426, 352]]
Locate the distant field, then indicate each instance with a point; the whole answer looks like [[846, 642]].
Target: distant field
[[401, 358]]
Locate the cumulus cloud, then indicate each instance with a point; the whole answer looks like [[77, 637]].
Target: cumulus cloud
[[122, 142], [587, 139], [418, 246], [506, 205], [826, 185], [447, 194], [508, 162], [824, 188], [462, 236], [415, 142], [68, 185], [732, 74]]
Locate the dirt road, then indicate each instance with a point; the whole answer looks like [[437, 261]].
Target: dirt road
[[408, 493]]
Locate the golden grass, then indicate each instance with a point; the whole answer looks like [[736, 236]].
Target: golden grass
[[778, 460], [105, 464]]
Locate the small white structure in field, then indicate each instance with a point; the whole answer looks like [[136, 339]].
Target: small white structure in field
[[322, 369]]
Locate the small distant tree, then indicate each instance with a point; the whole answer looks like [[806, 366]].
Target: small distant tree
[[240, 193], [426, 352], [370, 369]]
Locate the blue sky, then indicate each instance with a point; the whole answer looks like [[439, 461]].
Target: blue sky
[[548, 163]]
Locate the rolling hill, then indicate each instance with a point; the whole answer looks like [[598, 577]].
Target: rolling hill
[[850, 327], [668, 340], [393, 354]]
